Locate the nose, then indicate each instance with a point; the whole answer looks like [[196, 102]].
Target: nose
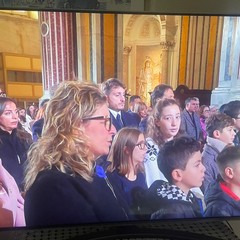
[[14, 114], [122, 98], [173, 122]]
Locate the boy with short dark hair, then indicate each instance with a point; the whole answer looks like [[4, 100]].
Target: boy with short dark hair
[[220, 131], [223, 196], [180, 162], [232, 109]]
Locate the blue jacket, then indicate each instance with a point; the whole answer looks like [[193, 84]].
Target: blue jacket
[[209, 157], [57, 198], [218, 203], [37, 129]]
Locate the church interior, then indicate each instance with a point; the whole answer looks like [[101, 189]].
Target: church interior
[[41, 49]]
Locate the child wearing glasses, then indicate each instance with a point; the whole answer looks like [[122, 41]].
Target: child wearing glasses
[[180, 162], [126, 156]]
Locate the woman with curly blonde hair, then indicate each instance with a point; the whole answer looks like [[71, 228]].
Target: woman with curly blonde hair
[[63, 183]]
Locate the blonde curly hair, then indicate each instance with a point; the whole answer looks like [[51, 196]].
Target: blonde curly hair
[[63, 143]]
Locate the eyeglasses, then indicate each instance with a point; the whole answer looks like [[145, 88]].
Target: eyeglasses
[[107, 121], [142, 145]]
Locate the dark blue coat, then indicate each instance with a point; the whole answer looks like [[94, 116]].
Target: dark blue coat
[[218, 203], [57, 198], [37, 129], [128, 119]]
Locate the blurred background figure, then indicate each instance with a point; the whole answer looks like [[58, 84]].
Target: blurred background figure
[[39, 120], [213, 109], [133, 100], [23, 120], [30, 114], [204, 113], [2, 94], [14, 142], [141, 109]]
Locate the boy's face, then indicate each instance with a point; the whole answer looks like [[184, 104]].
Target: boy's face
[[226, 135], [193, 175]]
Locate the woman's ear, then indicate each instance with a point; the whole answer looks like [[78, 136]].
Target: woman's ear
[[157, 122], [126, 150], [177, 175]]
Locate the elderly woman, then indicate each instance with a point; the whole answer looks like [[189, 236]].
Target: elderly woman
[[63, 183], [14, 142]]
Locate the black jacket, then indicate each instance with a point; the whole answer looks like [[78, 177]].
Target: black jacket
[[57, 198], [169, 202], [218, 203], [13, 152], [37, 129], [128, 119]]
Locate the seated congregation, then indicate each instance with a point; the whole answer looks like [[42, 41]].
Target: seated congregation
[[92, 160]]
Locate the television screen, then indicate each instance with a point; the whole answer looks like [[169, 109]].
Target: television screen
[[165, 168]]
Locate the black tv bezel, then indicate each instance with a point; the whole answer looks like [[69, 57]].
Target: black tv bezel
[[159, 7]]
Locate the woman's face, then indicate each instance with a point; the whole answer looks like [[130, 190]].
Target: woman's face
[[139, 151], [9, 117], [206, 112], [169, 122], [22, 112], [95, 130]]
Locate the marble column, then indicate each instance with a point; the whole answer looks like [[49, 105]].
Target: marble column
[[229, 78], [58, 48], [126, 52], [165, 48]]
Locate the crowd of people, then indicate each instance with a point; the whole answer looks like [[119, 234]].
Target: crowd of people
[[84, 158]]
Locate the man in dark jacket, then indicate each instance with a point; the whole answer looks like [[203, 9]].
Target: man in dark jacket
[[222, 197], [115, 91]]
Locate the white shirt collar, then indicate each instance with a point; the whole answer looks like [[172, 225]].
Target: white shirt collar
[[114, 113]]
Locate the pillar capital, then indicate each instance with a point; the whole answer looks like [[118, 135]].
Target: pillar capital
[[166, 45], [127, 49]]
